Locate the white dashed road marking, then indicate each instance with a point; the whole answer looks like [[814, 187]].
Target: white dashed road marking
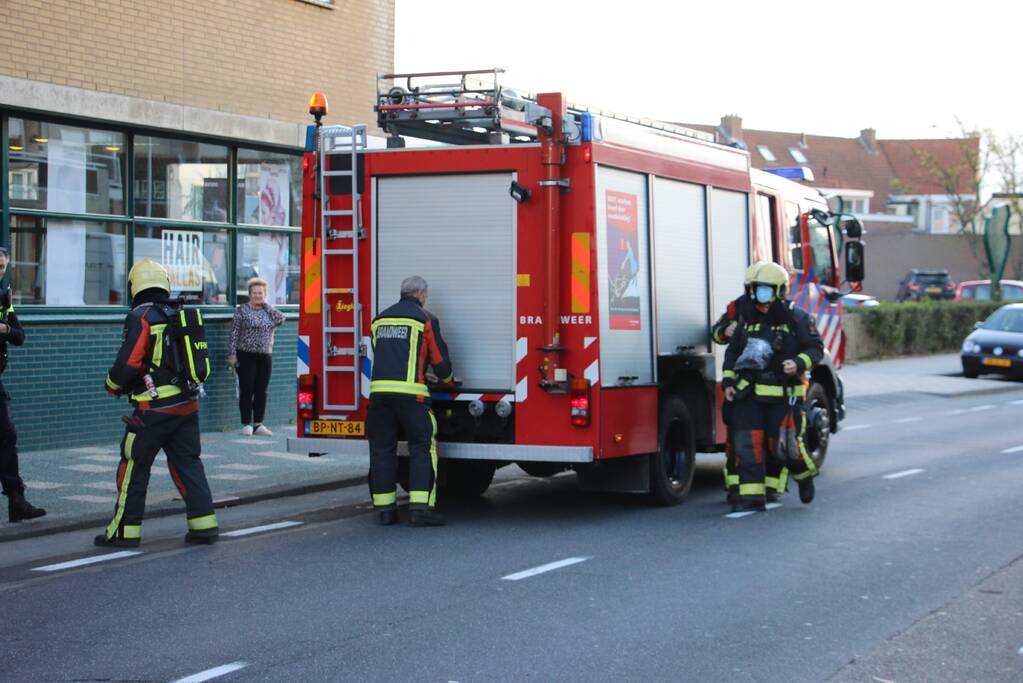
[[903, 473], [977, 409], [855, 427], [771, 506], [258, 529], [1016, 403], [525, 574], [91, 469], [233, 476], [86, 560], [44, 485], [88, 499], [1014, 449], [904, 420], [210, 674], [737, 515], [292, 457]]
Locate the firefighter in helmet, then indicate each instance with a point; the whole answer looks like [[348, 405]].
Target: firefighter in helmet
[[738, 310], [406, 339], [166, 416], [767, 358]]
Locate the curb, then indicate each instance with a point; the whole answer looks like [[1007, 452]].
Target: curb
[[957, 394], [175, 507]]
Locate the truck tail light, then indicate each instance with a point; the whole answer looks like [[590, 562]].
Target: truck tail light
[[579, 394], [914, 287], [307, 397]]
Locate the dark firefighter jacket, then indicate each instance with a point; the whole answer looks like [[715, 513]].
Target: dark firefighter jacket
[[145, 350], [737, 311], [16, 334], [792, 335], [406, 338]]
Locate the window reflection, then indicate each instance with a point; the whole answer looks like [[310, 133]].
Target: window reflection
[[180, 179], [273, 256], [195, 259], [269, 188]]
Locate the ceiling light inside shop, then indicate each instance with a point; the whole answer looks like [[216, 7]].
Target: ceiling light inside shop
[[112, 148], [15, 148], [40, 140]]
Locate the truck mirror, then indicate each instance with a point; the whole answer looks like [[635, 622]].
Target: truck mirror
[[854, 261]]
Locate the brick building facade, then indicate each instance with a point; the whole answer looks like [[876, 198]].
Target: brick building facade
[[128, 125]]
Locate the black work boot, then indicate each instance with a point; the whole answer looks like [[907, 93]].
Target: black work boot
[[749, 505], [806, 490], [205, 537], [426, 517], [732, 497], [104, 541], [388, 517], [18, 508], [772, 496]]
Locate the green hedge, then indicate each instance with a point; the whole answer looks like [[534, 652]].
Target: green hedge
[[908, 329]]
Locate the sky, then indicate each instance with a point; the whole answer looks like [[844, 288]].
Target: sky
[[908, 69]]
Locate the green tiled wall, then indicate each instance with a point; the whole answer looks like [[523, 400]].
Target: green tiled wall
[[56, 381]]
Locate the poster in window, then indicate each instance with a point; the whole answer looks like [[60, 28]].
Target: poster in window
[[268, 195], [623, 261], [65, 240], [182, 255]]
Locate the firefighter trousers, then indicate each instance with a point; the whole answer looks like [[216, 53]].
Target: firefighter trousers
[[777, 484], [10, 478], [388, 415], [178, 436], [755, 427]]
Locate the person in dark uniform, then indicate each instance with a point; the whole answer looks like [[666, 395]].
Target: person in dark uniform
[[13, 487], [406, 338], [765, 363], [166, 416]]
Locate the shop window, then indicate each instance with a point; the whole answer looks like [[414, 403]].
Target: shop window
[[273, 256], [54, 167], [269, 188], [67, 262], [180, 179], [195, 259]]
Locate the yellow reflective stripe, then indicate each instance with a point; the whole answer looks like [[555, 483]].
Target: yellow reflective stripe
[[198, 315], [201, 523], [385, 498], [419, 497], [162, 391], [410, 376], [132, 531], [781, 328], [783, 480], [433, 459], [112, 384], [10, 309], [752, 489], [799, 391], [448, 379], [729, 374], [742, 384], [731, 480], [191, 359], [769, 390], [771, 482], [129, 441], [803, 475], [157, 331], [753, 327], [398, 387], [407, 322], [807, 363]]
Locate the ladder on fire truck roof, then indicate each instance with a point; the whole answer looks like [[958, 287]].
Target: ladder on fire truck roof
[[471, 107], [342, 242]]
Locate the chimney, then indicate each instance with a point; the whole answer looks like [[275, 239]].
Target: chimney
[[868, 138], [731, 125]]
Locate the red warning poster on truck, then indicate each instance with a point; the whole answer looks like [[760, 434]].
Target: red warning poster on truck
[[622, 260]]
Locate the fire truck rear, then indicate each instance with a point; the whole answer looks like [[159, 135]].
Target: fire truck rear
[[575, 261]]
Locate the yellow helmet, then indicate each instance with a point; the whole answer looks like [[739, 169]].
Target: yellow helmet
[[147, 274], [751, 273], [772, 275]]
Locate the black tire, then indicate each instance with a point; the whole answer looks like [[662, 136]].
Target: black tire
[[541, 469], [466, 478], [969, 371], [818, 423], [673, 465]]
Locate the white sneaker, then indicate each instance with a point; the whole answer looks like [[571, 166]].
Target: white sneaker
[[247, 430], [261, 430]]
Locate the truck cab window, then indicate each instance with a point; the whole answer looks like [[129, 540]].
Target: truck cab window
[[792, 217]]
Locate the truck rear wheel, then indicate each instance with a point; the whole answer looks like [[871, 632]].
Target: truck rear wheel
[[673, 465], [818, 423], [466, 478]]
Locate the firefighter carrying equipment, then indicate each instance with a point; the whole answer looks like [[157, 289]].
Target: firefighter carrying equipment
[[146, 274], [757, 426], [405, 339]]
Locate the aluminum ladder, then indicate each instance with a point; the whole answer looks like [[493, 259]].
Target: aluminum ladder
[[342, 243]]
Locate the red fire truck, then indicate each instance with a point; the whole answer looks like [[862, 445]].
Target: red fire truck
[[575, 261]]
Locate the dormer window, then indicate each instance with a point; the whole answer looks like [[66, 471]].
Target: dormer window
[[766, 152], [797, 156]]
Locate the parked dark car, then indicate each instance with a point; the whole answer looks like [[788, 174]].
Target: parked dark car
[[930, 284], [996, 345], [980, 290]]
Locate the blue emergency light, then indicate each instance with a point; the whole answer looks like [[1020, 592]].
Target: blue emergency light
[[586, 126], [793, 172], [310, 138]]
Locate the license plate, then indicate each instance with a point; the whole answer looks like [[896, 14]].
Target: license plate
[[998, 362], [336, 428], [934, 289]]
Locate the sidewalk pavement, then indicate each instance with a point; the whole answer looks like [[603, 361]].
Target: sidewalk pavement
[[77, 487]]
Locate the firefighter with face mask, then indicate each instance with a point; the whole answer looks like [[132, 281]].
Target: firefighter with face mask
[[406, 339], [768, 355], [166, 416]]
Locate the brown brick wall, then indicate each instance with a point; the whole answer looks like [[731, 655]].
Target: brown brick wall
[[253, 57]]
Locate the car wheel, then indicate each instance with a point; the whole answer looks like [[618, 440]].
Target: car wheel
[[673, 465], [818, 423], [969, 373]]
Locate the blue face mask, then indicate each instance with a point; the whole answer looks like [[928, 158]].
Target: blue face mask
[[764, 294]]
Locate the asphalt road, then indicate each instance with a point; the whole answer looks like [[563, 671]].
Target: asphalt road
[[906, 568]]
